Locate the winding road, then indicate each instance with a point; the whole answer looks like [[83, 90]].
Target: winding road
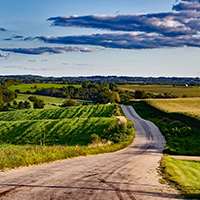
[[126, 174]]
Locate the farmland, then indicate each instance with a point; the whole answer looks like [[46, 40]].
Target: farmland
[[64, 128], [30, 87], [192, 91], [188, 106]]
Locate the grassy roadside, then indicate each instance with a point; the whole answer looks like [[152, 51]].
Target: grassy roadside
[[182, 132], [13, 156], [183, 174]]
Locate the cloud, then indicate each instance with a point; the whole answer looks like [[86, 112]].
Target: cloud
[[126, 40], [166, 23], [2, 29], [27, 68], [4, 55], [48, 50], [18, 36], [65, 63], [32, 60], [44, 60], [190, 5]]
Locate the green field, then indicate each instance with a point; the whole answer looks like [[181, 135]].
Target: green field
[[50, 102], [179, 91], [59, 113], [188, 106], [30, 87], [184, 174], [42, 135]]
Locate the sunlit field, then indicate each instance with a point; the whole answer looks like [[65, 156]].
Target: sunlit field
[[189, 106], [179, 91], [30, 87]]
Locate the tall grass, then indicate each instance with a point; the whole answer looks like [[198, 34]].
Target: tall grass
[[12, 156], [184, 174]]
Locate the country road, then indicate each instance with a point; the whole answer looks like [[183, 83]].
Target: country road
[[126, 174]]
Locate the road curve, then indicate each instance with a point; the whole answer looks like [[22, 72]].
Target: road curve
[[126, 174]]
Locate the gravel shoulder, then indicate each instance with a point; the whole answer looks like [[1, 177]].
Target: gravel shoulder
[[127, 174]]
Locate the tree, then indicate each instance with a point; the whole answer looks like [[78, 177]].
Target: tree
[[85, 84], [140, 94], [21, 105], [14, 103], [39, 103], [33, 98], [27, 105], [68, 103]]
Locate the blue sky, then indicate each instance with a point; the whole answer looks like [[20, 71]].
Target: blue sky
[[90, 37]]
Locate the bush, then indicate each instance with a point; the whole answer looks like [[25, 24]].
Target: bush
[[68, 103], [39, 103]]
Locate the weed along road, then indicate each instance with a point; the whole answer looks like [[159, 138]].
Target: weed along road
[[127, 174]]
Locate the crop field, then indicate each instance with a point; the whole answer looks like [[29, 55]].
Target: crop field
[[58, 113], [184, 174], [30, 87], [188, 106], [161, 89], [65, 131], [43, 135]]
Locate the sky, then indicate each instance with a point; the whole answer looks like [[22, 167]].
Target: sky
[[116, 37]]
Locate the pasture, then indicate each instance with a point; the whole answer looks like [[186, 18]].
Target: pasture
[[192, 91], [30, 87]]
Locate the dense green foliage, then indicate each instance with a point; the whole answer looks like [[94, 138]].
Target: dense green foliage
[[68, 102], [184, 174], [182, 132]]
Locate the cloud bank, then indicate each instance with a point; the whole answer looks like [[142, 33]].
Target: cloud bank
[[48, 50], [28, 68], [126, 41]]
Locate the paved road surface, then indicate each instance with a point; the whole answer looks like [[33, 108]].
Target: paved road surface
[[126, 174]]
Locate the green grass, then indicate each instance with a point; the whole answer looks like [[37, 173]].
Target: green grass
[[13, 156], [161, 89], [182, 132], [184, 174], [30, 87]]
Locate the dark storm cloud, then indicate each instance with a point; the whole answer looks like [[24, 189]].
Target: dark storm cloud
[[48, 50], [126, 40]]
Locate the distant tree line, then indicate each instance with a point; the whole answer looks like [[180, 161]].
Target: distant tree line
[[179, 81]]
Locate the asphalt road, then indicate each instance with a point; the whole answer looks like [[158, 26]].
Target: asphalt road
[[126, 174]]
